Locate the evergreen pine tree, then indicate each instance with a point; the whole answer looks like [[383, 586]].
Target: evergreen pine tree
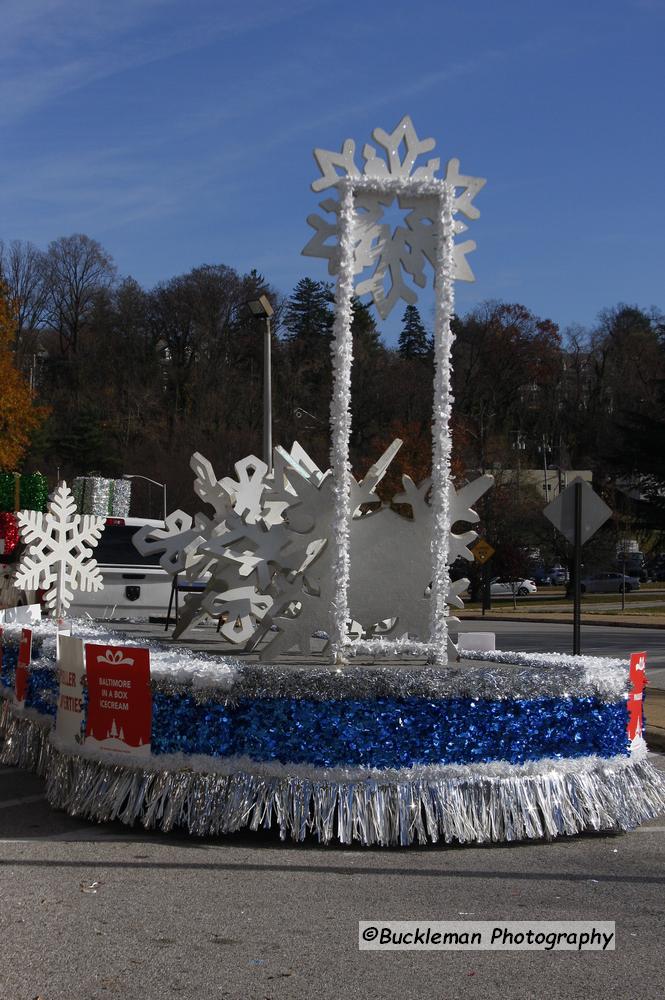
[[413, 340], [366, 337], [308, 316], [87, 446]]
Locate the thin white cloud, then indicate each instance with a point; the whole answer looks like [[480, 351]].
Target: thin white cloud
[[111, 187], [49, 48]]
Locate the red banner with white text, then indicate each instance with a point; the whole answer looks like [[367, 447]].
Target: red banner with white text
[[23, 665], [638, 681], [119, 712]]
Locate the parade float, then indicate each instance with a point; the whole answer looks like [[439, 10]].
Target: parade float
[[380, 729]]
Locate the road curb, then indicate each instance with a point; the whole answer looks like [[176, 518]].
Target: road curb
[[555, 621], [655, 738]]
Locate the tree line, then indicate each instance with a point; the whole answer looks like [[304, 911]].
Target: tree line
[[137, 379]]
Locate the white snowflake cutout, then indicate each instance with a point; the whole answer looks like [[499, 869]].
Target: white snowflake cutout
[[209, 488], [247, 489], [396, 260], [176, 541], [59, 544]]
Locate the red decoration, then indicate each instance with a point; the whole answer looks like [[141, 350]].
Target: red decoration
[[638, 681], [23, 665], [9, 533], [119, 715]]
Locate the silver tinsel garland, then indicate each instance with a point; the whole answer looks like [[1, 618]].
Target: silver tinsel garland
[[462, 804], [340, 423], [102, 497], [498, 675], [493, 682], [441, 431], [24, 740], [480, 803]]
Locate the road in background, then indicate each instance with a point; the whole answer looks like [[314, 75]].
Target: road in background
[[547, 637], [542, 637]]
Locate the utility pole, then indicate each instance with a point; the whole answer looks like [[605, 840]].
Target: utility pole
[[262, 309], [546, 449], [577, 592], [519, 446]]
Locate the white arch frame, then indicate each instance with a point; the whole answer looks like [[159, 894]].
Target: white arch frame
[[435, 648]]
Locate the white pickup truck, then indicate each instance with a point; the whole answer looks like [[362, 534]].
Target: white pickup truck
[[134, 586]]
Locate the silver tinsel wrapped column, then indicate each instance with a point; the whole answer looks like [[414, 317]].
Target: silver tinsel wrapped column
[[102, 497], [121, 497]]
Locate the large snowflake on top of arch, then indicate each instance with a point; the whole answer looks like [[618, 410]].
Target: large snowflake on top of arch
[[391, 262]]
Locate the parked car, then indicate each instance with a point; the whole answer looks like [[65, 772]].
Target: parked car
[[558, 576], [135, 586], [608, 583], [10, 596], [550, 576], [656, 569], [500, 586]]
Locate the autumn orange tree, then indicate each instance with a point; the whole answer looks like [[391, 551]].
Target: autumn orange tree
[[20, 417]]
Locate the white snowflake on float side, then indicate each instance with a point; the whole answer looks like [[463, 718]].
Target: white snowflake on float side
[[389, 588], [269, 559], [392, 258], [59, 549], [196, 546]]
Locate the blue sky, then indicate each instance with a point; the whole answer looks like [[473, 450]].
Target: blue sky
[[182, 133]]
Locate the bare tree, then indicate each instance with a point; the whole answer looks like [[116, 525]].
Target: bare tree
[[22, 271], [76, 269]]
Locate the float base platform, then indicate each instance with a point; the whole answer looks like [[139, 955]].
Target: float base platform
[[516, 747]]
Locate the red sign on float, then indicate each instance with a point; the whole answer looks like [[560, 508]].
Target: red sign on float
[[23, 665], [638, 681], [119, 715]]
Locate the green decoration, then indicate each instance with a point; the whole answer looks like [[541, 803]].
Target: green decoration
[[6, 492], [31, 489], [34, 491]]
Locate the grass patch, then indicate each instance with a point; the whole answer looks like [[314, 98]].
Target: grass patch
[[656, 609]]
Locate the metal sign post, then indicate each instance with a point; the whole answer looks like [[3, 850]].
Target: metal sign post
[[577, 563], [482, 553], [487, 589], [577, 513]]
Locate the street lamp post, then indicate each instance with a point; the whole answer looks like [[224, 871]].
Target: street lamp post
[[546, 449], [154, 483], [261, 308], [519, 446]]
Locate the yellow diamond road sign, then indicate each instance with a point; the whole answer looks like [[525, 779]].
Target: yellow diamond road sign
[[482, 551]]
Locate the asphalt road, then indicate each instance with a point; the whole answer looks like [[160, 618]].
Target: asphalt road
[[511, 635], [544, 637], [106, 913], [92, 912]]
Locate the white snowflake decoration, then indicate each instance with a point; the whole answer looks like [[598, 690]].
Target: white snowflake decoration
[[392, 258], [196, 546], [308, 571], [266, 571], [390, 567], [59, 549]]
